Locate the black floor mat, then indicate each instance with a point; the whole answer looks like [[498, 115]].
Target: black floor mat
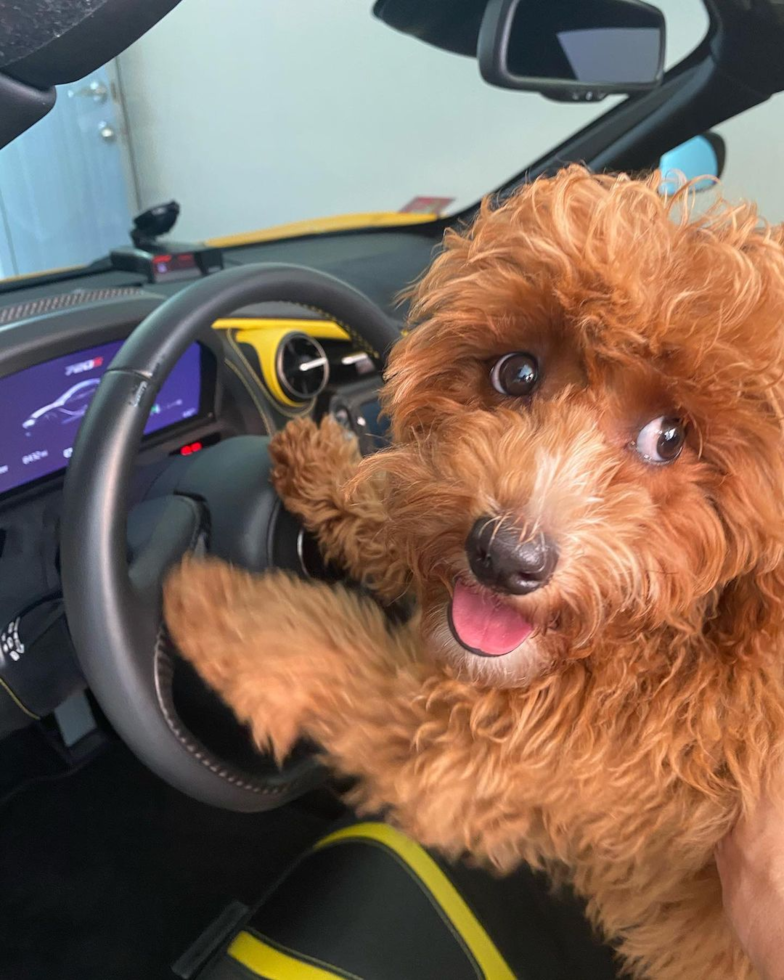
[[108, 874]]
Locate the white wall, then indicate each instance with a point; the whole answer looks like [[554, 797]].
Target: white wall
[[256, 112], [755, 157]]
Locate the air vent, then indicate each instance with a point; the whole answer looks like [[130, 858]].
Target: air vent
[[302, 367]]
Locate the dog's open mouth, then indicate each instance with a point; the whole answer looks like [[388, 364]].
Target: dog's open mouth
[[482, 624]]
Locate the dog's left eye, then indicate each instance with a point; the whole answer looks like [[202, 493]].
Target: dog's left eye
[[515, 374], [661, 440]]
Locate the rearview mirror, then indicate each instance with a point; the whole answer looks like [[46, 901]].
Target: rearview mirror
[[579, 50]]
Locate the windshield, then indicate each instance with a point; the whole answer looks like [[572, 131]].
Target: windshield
[[258, 113]]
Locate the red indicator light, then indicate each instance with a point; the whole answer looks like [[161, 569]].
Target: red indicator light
[[161, 258], [191, 448]]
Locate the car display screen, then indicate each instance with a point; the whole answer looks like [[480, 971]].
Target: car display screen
[[43, 406]]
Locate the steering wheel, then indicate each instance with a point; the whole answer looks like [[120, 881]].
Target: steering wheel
[[222, 501]]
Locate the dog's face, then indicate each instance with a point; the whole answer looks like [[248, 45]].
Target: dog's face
[[587, 426]]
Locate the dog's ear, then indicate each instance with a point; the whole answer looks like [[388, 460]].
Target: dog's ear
[[447, 317], [749, 621], [749, 605], [421, 384]]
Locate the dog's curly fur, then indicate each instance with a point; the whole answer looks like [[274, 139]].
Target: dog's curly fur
[[623, 739]]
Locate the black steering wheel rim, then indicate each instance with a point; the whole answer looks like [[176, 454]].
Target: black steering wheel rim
[[114, 612]]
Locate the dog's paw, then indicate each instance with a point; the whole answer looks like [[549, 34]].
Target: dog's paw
[[200, 599], [291, 450], [309, 460], [242, 634]]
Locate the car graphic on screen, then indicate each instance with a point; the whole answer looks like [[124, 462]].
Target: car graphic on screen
[[69, 407]]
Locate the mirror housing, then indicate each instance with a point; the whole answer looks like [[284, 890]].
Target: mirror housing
[[579, 51], [701, 156]]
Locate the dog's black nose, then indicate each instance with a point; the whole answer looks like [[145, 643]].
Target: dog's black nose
[[503, 561]]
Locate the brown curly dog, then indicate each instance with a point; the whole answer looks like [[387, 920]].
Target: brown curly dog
[[585, 494]]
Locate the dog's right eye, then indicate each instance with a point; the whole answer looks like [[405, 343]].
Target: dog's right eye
[[516, 375], [661, 440]]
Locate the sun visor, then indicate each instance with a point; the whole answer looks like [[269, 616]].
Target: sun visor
[[44, 43]]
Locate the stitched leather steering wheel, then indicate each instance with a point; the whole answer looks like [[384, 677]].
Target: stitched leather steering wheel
[[222, 501]]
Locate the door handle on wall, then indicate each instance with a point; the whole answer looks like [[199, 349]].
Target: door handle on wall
[[96, 91]]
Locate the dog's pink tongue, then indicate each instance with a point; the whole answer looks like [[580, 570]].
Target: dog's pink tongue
[[484, 625]]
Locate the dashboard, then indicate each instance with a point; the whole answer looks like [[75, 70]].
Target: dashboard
[[249, 374]]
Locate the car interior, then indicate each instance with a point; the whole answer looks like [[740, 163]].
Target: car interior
[[143, 834]]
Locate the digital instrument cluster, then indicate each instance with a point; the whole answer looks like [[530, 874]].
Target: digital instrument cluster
[[43, 406]]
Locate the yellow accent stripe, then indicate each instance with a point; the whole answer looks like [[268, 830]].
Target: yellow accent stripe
[[440, 887], [322, 226], [326, 329], [43, 272], [271, 963], [266, 343], [22, 707]]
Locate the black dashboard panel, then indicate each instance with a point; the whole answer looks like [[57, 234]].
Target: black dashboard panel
[[28, 340], [30, 289], [379, 262]]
